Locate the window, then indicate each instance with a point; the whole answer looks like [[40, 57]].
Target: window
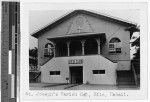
[[54, 72], [118, 50], [115, 45], [111, 45], [98, 71], [49, 50]]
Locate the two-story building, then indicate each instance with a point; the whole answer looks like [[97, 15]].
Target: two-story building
[[85, 47]]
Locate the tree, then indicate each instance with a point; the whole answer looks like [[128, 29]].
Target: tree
[[136, 59], [136, 43], [33, 56]]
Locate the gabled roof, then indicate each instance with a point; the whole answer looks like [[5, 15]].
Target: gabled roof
[[98, 15]]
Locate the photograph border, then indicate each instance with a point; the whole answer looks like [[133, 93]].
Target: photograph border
[[26, 94]]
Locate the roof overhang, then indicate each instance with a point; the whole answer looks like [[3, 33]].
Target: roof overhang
[[102, 37]]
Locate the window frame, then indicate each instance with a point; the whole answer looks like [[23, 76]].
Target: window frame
[[54, 73], [99, 72], [113, 46], [47, 50]]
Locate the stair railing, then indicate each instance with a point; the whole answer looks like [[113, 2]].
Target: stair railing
[[47, 60], [36, 77]]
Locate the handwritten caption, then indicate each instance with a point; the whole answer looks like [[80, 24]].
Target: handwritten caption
[[77, 94]]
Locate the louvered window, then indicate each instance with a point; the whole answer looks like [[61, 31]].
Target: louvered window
[[115, 46]]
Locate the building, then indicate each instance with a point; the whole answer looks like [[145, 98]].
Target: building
[[85, 47]]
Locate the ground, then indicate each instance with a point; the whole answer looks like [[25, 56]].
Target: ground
[[48, 86]]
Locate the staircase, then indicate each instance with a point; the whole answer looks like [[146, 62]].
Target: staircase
[[49, 58], [34, 77], [125, 77], [61, 63]]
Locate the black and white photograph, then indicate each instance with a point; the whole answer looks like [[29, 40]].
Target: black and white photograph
[[84, 50], [74, 51]]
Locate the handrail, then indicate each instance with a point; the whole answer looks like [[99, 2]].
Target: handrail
[[135, 76], [47, 61], [36, 76], [109, 59]]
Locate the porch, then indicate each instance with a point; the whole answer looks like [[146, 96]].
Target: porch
[[78, 45]]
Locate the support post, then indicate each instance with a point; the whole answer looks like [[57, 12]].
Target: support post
[[54, 50], [99, 47], [68, 47], [83, 42]]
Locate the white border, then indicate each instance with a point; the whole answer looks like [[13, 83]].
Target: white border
[[26, 7]]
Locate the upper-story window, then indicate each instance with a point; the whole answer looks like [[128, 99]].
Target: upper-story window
[[115, 45], [49, 49]]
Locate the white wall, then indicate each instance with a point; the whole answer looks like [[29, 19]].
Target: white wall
[[99, 26], [93, 62], [124, 65]]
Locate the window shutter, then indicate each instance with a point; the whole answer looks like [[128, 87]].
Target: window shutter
[[112, 50], [45, 52], [111, 45]]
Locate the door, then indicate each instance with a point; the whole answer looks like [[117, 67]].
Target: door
[[76, 74]]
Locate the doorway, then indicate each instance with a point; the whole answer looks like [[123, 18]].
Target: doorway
[[76, 74]]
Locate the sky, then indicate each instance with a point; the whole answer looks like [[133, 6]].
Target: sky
[[39, 18]]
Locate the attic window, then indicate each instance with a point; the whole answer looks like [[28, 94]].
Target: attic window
[[48, 50], [115, 46]]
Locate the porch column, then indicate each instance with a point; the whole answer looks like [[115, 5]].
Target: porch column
[[54, 50], [82, 42], [98, 43], [68, 47]]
